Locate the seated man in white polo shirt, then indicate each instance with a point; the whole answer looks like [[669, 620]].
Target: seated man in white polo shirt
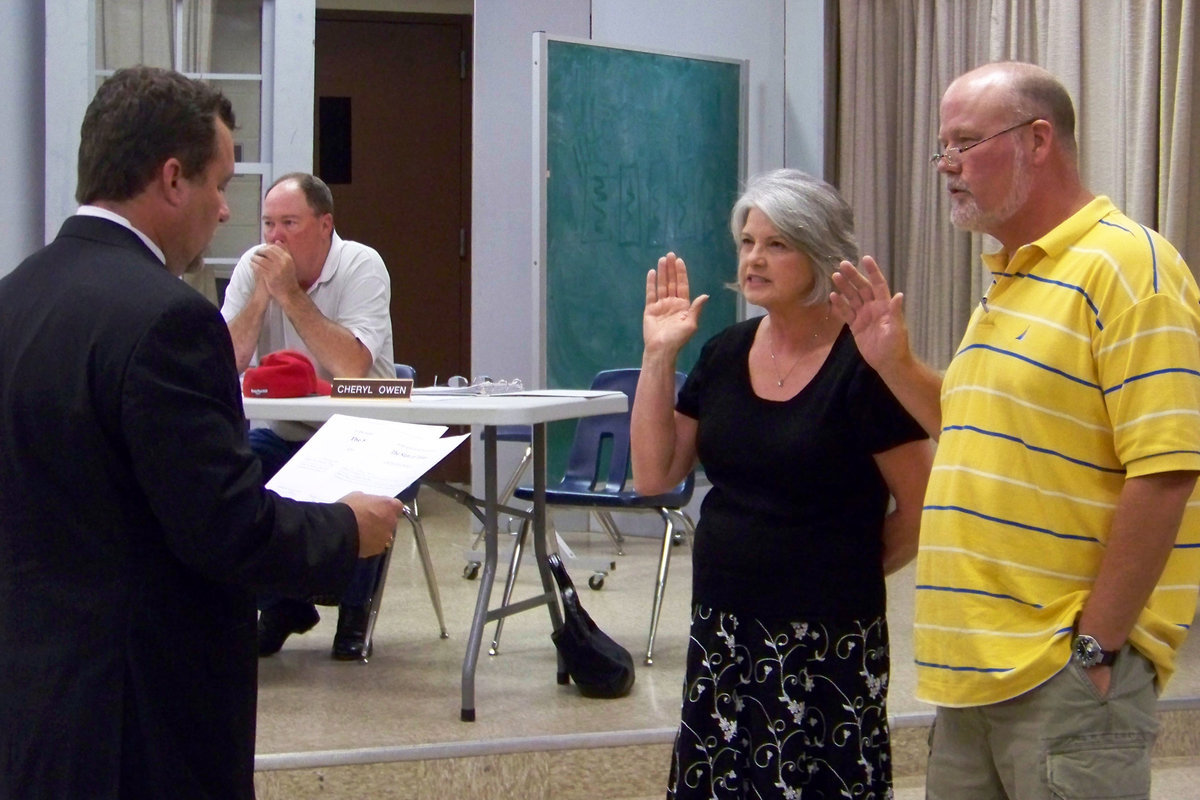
[[307, 289]]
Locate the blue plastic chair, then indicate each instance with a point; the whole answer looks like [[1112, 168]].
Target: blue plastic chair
[[598, 470], [409, 497]]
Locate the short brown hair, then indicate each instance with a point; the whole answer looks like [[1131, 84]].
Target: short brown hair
[[139, 118]]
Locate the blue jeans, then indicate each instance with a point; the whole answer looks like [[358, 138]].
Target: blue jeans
[[274, 451]]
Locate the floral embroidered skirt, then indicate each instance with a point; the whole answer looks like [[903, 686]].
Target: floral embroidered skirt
[[783, 710]]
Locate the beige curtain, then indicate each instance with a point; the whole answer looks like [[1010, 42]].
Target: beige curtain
[[197, 44], [1130, 65], [1178, 196], [132, 32]]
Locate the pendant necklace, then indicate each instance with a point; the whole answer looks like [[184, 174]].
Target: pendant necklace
[[779, 379]]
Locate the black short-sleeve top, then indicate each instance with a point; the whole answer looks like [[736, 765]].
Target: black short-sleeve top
[[792, 525]]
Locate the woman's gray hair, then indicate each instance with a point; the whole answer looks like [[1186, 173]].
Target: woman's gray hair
[[809, 214]]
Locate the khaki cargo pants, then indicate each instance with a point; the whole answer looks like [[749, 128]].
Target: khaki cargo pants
[[1060, 741]]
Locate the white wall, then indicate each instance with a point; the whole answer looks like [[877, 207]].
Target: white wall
[[22, 32], [809, 88], [69, 58], [785, 92], [502, 187], [502, 176], [290, 82], [786, 125]]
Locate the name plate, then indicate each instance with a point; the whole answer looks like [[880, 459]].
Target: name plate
[[373, 388]]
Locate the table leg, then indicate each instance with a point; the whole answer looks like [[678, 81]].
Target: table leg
[[491, 545]]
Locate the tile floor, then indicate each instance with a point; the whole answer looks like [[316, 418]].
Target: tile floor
[[410, 691], [403, 706]]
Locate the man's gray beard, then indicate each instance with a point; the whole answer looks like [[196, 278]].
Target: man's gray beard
[[969, 217]]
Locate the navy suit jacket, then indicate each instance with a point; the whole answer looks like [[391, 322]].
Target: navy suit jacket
[[134, 532]]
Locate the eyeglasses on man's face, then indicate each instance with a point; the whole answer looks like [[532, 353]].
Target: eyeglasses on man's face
[[952, 156]]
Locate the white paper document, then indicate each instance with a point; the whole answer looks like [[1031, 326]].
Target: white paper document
[[356, 454]]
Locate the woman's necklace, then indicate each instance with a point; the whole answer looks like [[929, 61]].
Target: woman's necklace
[[779, 379]]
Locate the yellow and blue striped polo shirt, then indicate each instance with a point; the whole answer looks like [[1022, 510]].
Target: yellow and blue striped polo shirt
[[1080, 368]]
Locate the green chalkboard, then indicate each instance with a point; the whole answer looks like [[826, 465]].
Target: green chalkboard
[[644, 153]]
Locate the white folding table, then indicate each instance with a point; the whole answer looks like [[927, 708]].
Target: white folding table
[[533, 408]]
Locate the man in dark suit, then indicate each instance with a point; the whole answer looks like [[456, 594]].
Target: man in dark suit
[[134, 527]]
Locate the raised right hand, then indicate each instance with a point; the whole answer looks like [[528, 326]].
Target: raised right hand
[[671, 317], [377, 517]]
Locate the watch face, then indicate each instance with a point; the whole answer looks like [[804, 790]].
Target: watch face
[[1087, 650]]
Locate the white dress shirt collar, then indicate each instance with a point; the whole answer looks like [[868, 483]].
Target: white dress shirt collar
[[104, 213]]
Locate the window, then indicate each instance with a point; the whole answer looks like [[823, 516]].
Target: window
[[260, 52], [219, 41]]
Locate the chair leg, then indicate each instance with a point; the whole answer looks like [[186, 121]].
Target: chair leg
[[377, 599], [514, 564], [513, 482], [426, 564], [610, 527], [688, 527], [664, 563], [518, 473]]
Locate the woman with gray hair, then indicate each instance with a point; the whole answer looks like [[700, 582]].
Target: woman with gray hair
[[803, 444]]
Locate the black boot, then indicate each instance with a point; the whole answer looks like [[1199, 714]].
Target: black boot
[[350, 641], [281, 620]]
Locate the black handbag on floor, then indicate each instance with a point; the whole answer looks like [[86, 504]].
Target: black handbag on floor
[[599, 666]]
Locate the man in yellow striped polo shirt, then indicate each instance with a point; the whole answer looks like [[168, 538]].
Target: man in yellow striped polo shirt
[[1059, 558]]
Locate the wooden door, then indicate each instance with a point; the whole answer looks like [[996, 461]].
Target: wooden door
[[392, 138]]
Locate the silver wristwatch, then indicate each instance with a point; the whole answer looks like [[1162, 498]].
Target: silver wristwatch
[[1087, 652]]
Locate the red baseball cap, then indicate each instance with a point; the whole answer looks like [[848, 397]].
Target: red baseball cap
[[284, 373]]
